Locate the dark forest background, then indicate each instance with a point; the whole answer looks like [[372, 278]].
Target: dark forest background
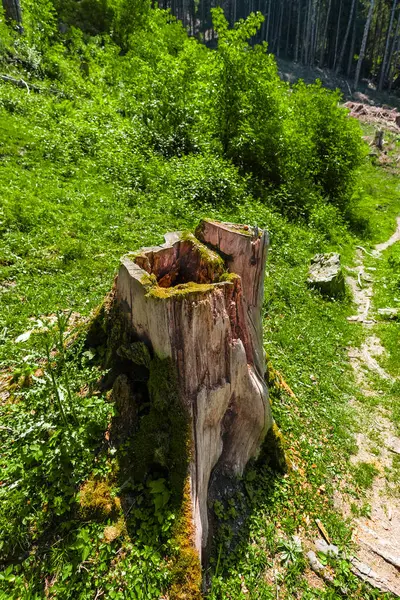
[[355, 38]]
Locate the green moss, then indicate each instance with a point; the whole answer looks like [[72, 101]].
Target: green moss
[[181, 291], [243, 229], [273, 450], [135, 255], [96, 500], [186, 568], [228, 277], [207, 255], [148, 279]]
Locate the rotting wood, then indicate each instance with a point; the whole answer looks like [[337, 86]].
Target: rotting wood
[[196, 301]]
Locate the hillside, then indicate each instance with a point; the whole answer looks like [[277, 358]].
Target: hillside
[[108, 139]]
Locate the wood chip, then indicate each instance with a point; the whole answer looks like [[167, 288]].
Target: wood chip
[[323, 531]]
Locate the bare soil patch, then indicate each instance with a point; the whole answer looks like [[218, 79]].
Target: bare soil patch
[[377, 534]]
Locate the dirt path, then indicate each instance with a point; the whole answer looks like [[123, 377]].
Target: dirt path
[[395, 238], [377, 535]]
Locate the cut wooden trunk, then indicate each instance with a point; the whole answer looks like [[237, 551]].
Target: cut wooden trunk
[[196, 300]]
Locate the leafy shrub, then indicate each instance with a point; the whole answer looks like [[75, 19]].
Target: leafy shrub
[[298, 141], [334, 140]]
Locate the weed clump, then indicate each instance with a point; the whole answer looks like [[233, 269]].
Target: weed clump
[[96, 500]]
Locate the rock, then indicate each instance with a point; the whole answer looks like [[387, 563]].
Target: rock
[[366, 573], [329, 549], [316, 565], [389, 313], [326, 274]]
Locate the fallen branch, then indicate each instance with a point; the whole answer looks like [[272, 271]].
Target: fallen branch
[[366, 251], [20, 83]]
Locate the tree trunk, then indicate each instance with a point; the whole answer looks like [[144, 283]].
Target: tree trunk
[[353, 43], [278, 37], [375, 47], [296, 52], [324, 36], [12, 10], [346, 35], [307, 32], [337, 34], [200, 309], [392, 52], [314, 32], [363, 44], [288, 30], [268, 24], [385, 56]]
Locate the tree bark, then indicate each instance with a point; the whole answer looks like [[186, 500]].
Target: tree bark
[[393, 46], [385, 56], [288, 30], [363, 44], [323, 43], [353, 43], [314, 32], [201, 310], [296, 52], [337, 34], [268, 24], [392, 53], [12, 10], [307, 32], [346, 35], [279, 34]]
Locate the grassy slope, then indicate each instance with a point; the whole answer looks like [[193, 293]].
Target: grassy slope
[[63, 231]]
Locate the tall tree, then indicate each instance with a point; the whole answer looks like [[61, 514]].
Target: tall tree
[[337, 34], [296, 51], [393, 48], [385, 56], [325, 35], [352, 44], [12, 10], [346, 35], [364, 43]]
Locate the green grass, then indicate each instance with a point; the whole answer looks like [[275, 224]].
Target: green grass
[[364, 474], [377, 198]]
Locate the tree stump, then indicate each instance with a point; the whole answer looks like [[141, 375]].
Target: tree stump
[[196, 301]]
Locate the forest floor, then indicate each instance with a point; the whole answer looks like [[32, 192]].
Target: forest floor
[[366, 93]]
